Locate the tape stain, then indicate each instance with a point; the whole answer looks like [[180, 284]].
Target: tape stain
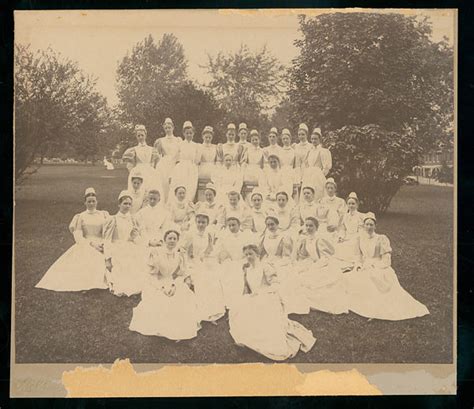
[[121, 380]]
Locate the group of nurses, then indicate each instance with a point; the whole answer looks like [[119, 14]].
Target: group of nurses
[[258, 259]]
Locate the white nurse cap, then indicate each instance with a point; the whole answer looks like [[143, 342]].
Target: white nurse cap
[[124, 193], [188, 124], [304, 127], [90, 191], [370, 215]]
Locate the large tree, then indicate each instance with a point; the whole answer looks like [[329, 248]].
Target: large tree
[[372, 79], [147, 78], [246, 84], [153, 84], [57, 109], [373, 68]]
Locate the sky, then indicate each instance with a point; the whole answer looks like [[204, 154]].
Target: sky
[[99, 39]]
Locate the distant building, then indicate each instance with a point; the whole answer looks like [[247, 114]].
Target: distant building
[[432, 162]]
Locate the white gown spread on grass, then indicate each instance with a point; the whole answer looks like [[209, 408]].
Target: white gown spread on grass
[[171, 316], [81, 267], [203, 269], [127, 256], [320, 275], [258, 320], [374, 290]]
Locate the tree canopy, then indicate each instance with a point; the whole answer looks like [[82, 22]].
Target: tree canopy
[[373, 68], [57, 108], [153, 84], [246, 84]]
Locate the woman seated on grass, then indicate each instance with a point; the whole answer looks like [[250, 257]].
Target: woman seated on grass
[[125, 254], [257, 318], [168, 307], [372, 286], [81, 267]]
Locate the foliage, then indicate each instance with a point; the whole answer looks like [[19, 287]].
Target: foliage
[[374, 77], [246, 84], [57, 109], [153, 84], [367, 68], [372, 162], [445, 174]]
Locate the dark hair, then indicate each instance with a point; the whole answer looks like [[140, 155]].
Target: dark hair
[[154, 192], [179, 187], [137, 177], [255, 194], [125, 197], [283, 193], [309, 187], [314, 220], [89, 195], [275, 219], [168, 232], [252, 247]]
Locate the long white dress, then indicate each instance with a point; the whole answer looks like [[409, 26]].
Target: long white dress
[[274, 181], [320, 275], [351, 226], [207, 161], [81, 267], [138, 199], [203, 269], [289, 219], [254, 157], [330, 211], [259, 217], [227, 179], [287, 162], [167, 149], [185, 172], [181, 213], [229, 253], [174, 317], [374, 291], [258, 319], [128, 256], [141, 158], [153, 222], [301, 154], [307, 209], [315, 168]]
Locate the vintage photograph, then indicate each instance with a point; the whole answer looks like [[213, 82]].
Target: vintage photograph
[[234, 186]]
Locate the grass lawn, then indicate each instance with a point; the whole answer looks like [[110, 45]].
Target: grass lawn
[[92, 326]]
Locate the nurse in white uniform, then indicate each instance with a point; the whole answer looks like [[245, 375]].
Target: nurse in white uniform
[[82, 266]]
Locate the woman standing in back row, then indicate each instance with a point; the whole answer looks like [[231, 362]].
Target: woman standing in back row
[[167, 149], [185, 172], [317, 165]]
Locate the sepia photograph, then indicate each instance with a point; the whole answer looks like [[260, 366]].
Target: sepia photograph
[[231, 187]]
